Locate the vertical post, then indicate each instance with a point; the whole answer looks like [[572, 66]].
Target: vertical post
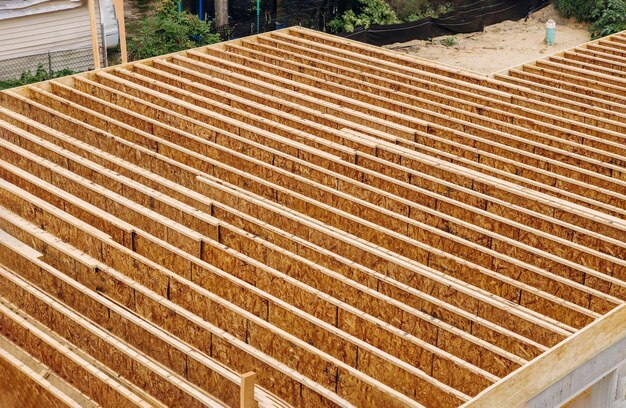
[[118, 5], [105, 57], [258, 16], [180, 6], [246, 395], [201, 10], [94, 33], [49, 64]]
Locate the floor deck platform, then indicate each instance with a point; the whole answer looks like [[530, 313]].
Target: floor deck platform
[[355, 226]]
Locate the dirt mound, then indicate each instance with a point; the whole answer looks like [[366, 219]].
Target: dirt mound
[[502, 45]]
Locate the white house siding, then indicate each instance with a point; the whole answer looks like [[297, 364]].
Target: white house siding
[[57, 39]]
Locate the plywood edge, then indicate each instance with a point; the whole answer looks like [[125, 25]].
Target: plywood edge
[[522, 385], [14, 370], [558, 54]]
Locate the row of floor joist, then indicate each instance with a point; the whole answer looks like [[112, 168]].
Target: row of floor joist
[[356, 226]]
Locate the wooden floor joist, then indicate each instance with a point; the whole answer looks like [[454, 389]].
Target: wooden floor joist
[[297, 219]]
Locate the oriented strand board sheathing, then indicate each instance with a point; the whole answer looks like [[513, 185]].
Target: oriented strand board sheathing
[[39, 342], [355, 226], [22, 386]]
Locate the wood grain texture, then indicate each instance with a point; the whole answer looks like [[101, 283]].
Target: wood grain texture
[[350, 225]]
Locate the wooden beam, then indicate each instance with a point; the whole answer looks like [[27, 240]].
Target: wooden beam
[[247, 390], [435, 229], [93, 26], [119, 15], [576, 362]]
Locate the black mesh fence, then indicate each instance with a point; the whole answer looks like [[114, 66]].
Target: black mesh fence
[[466, 17]]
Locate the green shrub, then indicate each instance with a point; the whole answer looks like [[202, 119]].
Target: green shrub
[[380, 12], [370, 12], [449, 41], [582, 10], [29, 77], [170, 30], [429, 11], [609, 19]]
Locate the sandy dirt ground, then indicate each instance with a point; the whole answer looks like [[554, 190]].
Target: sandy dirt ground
[[501, 46]]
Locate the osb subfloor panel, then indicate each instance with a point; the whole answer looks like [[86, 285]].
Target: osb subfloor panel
[[358, 227]]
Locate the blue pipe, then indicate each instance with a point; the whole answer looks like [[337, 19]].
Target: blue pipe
[[200, 11]]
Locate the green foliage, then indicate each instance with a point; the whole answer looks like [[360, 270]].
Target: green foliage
[[606, 16], [609, 19], [170, 31], [582, 10], [29, 77], [450, 41], [380, 12], [429, 11], [371, 12]]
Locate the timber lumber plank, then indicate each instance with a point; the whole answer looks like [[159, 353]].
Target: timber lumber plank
[[470, 97], [592, 62], [23, 386], [235, 325], [591, 86], [235, 269], [353, 88], [603, 55], [132, 171], [562, 82], [564, 184], [409, 93], [576, 256], [585, 67], [341, 165], [580, 150], [95, 383], [148, 304], [209, 256], [569, 184], [599, 77], [378, 54], [499, 91], [114, 318], [343, 223]]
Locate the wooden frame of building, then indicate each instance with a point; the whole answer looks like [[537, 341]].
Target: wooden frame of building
[[352, 225]]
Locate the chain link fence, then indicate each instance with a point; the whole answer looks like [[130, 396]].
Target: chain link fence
[[51, 64]]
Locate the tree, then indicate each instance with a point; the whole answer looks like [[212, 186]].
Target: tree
[[221, 13], [170, 30]]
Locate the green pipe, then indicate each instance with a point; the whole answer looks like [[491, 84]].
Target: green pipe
[[180, 6], [258, 15]]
